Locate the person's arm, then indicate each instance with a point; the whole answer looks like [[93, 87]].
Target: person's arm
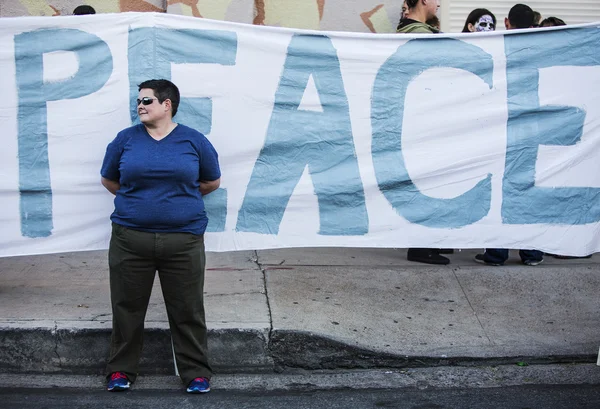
[[209, 186], [321, 6], [111, 185], [110, 175]]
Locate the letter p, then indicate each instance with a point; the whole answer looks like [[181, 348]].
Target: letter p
[[95, 67]]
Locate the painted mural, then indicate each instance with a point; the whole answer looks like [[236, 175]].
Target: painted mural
[[378, 16]]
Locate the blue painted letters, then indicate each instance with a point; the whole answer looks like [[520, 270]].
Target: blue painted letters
[[95, 67], [297, 138], [389, 99], [530, 125]]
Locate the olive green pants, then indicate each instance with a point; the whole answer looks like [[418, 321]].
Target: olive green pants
[[133, 258]]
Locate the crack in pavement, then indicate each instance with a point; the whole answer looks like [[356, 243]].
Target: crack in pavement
[[266, 292], [471, 306], [95, 317]]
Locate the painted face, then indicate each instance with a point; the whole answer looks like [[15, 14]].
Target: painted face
[[485, 23]]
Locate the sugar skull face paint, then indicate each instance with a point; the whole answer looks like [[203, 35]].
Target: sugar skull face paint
[[485, 23]]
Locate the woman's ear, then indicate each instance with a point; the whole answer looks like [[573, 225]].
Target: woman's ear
[[471, 28]]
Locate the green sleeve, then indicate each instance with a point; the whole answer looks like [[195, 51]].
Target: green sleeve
[[421, 29]]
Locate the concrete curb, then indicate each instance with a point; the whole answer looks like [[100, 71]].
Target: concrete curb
[[84, 351], [308, 381], [304, 350]]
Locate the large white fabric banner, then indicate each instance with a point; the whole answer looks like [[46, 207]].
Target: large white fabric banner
[[325, 139]]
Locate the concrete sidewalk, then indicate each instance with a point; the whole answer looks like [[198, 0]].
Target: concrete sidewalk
[[313, 308]]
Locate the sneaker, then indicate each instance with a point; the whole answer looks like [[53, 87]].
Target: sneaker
[[118, 382], [569, 257], [481, 259], [532, 262], [199, 385]]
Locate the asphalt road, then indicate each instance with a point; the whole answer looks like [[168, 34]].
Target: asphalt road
[[517, 397]]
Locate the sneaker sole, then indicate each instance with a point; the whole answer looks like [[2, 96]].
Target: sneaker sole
[[197, 391], [118, 388]]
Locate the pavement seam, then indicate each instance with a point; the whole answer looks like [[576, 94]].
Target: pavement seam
[[264, 275], [470, 305]]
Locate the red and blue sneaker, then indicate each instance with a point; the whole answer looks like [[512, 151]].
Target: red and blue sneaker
[[118, 382], [199, 385]]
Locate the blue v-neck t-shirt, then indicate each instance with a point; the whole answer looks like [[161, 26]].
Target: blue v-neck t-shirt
[[160, 180]]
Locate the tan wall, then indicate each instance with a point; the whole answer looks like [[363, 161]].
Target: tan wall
[[343, 15]]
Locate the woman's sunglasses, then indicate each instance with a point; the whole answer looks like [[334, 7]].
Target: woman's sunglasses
[[145, 100]]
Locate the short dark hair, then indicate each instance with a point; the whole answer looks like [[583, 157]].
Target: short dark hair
[[163, 90], [552, 22], [537, 17], [433, 22], [411, 4], [474, 17], [521, 16], [84, 9]]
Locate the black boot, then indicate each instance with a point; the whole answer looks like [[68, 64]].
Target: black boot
[[427, 256]]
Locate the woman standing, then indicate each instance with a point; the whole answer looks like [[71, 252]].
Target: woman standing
[[158, 171]]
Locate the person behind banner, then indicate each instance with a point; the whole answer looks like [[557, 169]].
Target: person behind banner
[[404, 13], [419, 12], [83, 10], [480, 20], [552, 22], [537, 17], [159, 171], [435, 23], [520, 16]]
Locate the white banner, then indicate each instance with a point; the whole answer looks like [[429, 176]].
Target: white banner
[[325, 139]]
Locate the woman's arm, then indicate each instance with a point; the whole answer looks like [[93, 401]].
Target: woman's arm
[[111, 185], [209, 186]]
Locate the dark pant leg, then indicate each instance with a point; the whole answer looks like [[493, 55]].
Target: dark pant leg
[[531, 255], [428, 256], [181, 271], [132, 270], [496, 256]]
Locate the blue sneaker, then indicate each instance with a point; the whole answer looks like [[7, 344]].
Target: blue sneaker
[[118, 382], [199, 385]]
